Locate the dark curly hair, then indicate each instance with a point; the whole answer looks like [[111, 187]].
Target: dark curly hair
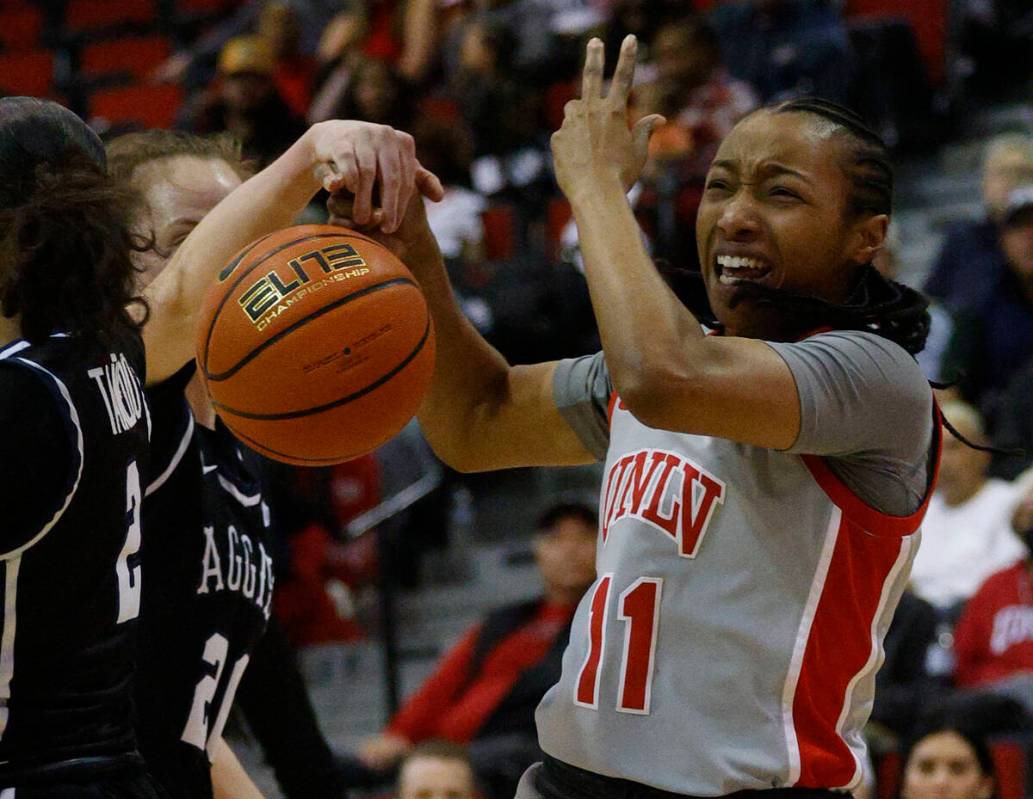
[[64, 227], [875, 303]]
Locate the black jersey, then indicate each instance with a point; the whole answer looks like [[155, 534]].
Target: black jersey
[[208, 593], [73, 451]]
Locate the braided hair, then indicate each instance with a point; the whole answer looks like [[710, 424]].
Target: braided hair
[[875, 303]]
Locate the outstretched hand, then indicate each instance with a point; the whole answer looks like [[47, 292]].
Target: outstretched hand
[[595, 141], [358, 156]]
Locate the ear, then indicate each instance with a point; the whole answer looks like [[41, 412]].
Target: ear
[[869, 238]]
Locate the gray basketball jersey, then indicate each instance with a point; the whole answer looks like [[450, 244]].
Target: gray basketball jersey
[[732, 637]]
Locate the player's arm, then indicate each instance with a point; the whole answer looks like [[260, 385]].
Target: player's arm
[[668, 374], [229, 780], [480, 413], [335, 155]]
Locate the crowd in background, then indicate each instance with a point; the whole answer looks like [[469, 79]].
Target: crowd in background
[[481, 84]]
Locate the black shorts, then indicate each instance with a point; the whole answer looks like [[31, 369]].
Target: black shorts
[[121, 777], [557, 780]]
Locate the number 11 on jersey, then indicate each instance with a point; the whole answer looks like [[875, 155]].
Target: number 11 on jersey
[[638, 606]]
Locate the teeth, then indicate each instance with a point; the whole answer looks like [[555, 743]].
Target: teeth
[[738, 262]]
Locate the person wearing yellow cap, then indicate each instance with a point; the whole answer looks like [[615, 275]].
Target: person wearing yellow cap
[[245, 102]]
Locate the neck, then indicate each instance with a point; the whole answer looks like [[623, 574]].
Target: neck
[[10, 329], [559, 595], [200, 404], [957, 493]]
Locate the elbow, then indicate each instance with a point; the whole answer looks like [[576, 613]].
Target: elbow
[[648, 393]]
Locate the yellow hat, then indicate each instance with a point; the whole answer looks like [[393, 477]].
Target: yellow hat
[[247, 54]]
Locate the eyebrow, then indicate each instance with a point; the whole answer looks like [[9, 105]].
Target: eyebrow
[[768, 170]]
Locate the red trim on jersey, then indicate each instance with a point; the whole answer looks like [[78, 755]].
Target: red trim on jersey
[[874, 521], [839, 646], [609, 411]]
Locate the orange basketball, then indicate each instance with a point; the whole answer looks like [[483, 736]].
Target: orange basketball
[[316, 345]]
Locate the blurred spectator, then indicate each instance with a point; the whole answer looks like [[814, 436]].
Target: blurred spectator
[[436, 770], [1013, 430], [787, 48], [370, 90], [971, 261], [445, 147], [403, 33], [485, 690], [992, 340], [994, 637], [903, 685], [246, 103], [502, 113], [965, 535], [947, 760], [195, 65], [941, 321], [295, 71], [694, 91]]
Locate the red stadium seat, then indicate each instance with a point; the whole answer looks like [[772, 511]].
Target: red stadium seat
[[29, 73], [83, 16], [138, 56], [499, 232], [928, 19], [20, 27], [149, 106]]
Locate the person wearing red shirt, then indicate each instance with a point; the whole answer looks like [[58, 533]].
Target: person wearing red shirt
[[485, 689], [993, 640]]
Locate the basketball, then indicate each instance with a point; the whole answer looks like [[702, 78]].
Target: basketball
[[316, 345]]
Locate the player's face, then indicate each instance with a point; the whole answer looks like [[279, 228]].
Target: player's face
[[566, 555], [774, 212], [178, 192], [944, 766], [435, 778]]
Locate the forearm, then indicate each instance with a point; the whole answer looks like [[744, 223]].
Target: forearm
[[646, 332], [470, 376], [229, 780], [266, 202]]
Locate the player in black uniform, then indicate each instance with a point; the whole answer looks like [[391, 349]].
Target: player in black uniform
[[206, 550], [72, 454]]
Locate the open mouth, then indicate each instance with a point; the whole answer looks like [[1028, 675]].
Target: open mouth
[[735, 269]]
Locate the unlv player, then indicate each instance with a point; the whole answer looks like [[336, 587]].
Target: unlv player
[[763, 487]]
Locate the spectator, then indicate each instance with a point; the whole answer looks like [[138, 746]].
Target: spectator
[[485, 690], [947, 761], [295, 71], [373, 91], [991, 340], [693, 90], [903, 684], [436, 770], [971, 261], [1013, 430], [965, 536], [195, 65], [787, 48], [502, 113], [245, 102], [994, 637]]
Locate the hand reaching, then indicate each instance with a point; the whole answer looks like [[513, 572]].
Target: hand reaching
[[594, 141], [358, 156]]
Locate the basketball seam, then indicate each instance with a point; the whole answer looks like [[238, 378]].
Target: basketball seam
[[297, 458], [395, 281], [273, 417], [343, 233]]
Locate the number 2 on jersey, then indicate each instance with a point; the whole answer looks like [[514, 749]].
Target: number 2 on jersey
[[200, 730], [129, 574], [638, 607]]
